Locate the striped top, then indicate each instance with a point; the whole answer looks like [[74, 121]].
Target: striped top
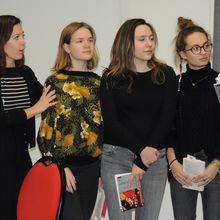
[[14, 92]]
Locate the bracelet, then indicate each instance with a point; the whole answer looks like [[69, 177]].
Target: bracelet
[[172, 162], [216, 163]]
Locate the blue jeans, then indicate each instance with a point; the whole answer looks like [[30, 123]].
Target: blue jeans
[[185, 200], [117, 160]]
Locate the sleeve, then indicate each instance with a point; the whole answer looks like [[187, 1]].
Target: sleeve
[[35, 87], [162, 129], [112, 123], [47, 130]]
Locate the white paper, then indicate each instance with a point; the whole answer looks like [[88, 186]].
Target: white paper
[[193, 167]]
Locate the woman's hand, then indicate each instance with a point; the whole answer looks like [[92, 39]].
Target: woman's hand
[[179, 175], [45, 101], [207, 176], [70, 180], [136, 173], [149, 155]]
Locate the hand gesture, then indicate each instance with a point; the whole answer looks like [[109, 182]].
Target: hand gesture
[[70, 180], [45, 100], [179, 175], [137, 173], [43, 103], [207, 176], [149, 155]]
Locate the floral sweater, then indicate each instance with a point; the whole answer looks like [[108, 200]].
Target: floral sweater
[[71, 131]]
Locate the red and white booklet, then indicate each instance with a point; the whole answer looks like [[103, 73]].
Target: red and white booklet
[[129, 197]]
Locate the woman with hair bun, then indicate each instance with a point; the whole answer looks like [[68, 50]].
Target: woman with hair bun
[[197, 126]]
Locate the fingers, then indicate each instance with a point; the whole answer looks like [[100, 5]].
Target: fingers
[[135, 177], [130, 180], [70, 181], [183, 180], [136, 174], [149, 155], [157, 153], [46, 89], [202, 180], [71, 185]]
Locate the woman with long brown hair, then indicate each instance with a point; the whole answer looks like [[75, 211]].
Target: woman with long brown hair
[[138, 94]]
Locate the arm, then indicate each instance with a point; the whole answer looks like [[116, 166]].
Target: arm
[[39, 102], [177, 168], [166, 117]]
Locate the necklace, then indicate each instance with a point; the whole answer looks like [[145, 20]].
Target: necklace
[[199, 81]]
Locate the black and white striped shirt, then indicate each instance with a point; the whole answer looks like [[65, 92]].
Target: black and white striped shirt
[[14, 92]]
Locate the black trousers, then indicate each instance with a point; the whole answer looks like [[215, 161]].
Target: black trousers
[[13, 169], [80, 204]]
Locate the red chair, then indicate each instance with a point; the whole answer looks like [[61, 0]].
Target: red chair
[[40, 196]]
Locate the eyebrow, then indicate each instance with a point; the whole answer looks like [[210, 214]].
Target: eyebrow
[[199, 45], [17, 34]]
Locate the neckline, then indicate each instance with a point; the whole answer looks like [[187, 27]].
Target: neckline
[[75, 73], [194, 84]]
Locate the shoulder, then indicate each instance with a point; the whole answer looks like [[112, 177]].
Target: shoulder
[[52, 77], [27, 71], [215, 73], [95, 75], [169, 73], [168, 70]]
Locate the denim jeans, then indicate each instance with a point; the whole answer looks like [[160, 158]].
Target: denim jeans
[[116, 160], [184, 201]]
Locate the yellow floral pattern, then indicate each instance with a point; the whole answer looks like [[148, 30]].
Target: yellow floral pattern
[[73, 127]]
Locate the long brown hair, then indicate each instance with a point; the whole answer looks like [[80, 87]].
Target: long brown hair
[[122, 56], [7, 23], [63, 58]]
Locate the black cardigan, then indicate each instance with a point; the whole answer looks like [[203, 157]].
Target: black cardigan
[[14, 124], [198, 115]]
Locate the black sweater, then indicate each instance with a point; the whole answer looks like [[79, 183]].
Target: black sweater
[[141, 118], [14, 123], [198, 114]]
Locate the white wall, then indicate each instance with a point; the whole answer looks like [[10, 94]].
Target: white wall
[[44, 20]]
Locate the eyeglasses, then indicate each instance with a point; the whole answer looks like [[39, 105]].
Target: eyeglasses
[[196, 49]]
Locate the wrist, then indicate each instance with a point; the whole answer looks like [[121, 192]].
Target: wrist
[[216, 163], [30, 112], [171, 163]]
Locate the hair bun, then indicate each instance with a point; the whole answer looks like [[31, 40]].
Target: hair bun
[[184, 23]]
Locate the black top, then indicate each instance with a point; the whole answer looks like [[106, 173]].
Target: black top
[[15, 129], [198, 115], [140, 118]]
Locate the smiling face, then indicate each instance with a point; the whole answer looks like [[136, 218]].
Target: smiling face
[[144, 44], [81, 46], [196, 61], [15, 46]]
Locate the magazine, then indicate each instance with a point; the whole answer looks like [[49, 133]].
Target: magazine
[[129, 197], [193, 167]]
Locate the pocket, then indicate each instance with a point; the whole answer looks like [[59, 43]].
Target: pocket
[[109, 149]]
